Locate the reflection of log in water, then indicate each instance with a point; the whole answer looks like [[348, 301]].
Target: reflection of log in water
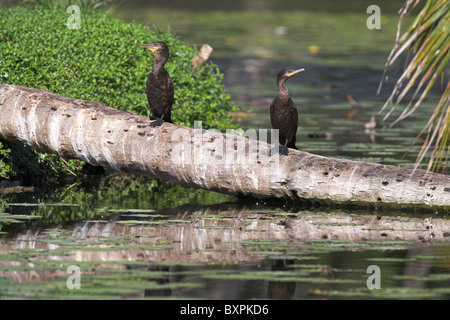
[[214, 234]]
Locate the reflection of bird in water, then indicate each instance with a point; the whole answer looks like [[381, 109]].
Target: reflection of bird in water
[[355, 106], [159, 89], [283, 112], [284, 289], [157, 283]]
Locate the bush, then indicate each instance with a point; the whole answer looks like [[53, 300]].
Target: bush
[[102, 61]]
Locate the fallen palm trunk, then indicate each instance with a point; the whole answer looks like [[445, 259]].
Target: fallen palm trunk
[[206, 159]]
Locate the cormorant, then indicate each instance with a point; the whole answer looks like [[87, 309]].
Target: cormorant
[[283, 113], [159, 87]]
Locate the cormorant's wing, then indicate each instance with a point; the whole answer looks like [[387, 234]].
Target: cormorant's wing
[[293, 124], [271, 113], [294, 115], [170, 90]]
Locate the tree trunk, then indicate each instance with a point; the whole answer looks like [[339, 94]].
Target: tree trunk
[[207, 159]]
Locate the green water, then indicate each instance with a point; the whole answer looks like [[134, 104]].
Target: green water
[[133, 238]]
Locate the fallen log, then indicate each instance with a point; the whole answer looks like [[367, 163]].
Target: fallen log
[[207, 159]]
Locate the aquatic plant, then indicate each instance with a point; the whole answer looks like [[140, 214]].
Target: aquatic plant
[[426, 44]]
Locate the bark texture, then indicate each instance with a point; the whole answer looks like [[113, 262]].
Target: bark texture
[[202, 56], [238, 165]]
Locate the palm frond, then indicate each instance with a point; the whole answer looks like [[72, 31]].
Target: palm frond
[[426, 43]]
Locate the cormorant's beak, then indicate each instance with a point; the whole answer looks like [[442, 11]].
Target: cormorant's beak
[[290, 74], [148, 46]]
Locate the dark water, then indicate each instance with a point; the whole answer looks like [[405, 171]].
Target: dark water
[[132, 237]]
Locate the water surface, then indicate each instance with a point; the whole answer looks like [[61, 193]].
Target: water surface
[[129, 241]]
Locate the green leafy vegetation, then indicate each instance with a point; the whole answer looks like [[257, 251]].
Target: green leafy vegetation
[[5, 169], [101, 61]]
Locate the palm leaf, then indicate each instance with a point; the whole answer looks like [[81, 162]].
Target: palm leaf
[[426, 43]]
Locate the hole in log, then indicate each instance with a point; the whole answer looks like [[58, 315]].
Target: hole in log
[[399, 180], [385, 183], [325, 173], [379, 200], [94, 118], [142, 134], [53, 108], [447, 189], [294, 194]]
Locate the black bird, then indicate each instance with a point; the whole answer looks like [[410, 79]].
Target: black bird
[[159, 87], [283, 113]]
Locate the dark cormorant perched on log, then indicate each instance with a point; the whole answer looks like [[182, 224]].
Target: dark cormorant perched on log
[[160, 92], [283, 113]]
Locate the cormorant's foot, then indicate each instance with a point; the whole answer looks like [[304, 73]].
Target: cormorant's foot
[[282, 150], [156, 123]]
